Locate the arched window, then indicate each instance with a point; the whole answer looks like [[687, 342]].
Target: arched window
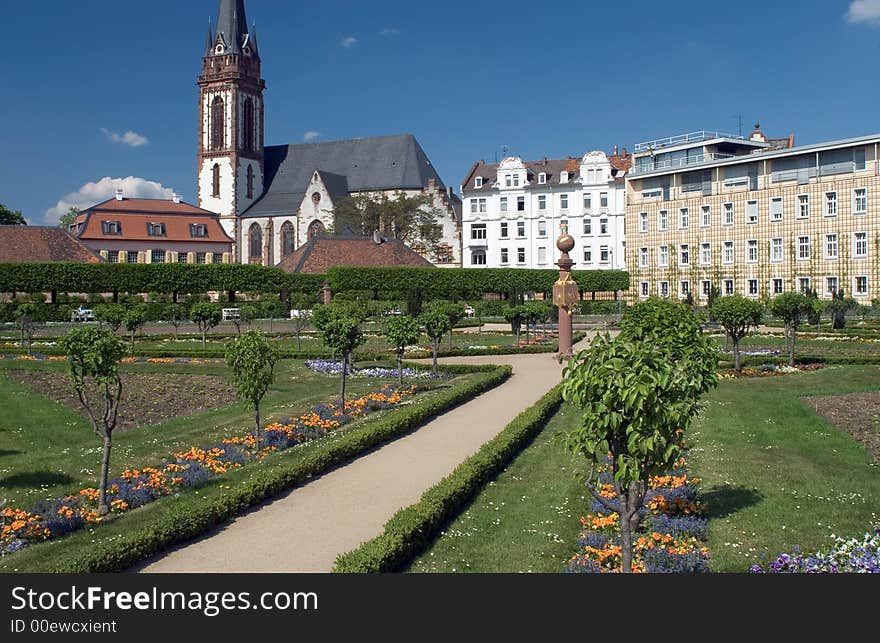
[[287, 239], [250, 182], [478, 258], [248, 126], [316, 229], [215, 180], [218, 124], [255, 243]]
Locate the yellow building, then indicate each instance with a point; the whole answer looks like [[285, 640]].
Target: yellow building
[[753, 216]]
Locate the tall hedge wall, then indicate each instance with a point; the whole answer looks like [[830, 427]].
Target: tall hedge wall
[[468, 283]]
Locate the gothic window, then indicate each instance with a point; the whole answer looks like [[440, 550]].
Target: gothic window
[[215, 180], [218, 122], [287, 239], [316, 229], [249, 126], [255, 238], [250, 182]]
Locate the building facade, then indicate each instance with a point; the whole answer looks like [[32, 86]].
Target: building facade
[[273, 199], [753, 216], [514, 211]]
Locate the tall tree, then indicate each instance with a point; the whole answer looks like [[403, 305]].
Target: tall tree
[[11, 217], [67, 219], [737, 315]]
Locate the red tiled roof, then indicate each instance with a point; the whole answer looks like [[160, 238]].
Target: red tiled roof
[[135, 214], [27, 244], [621, 162], [322, 253]]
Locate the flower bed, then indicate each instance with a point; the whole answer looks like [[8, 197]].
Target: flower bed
[[673, 533], [128, 360], [852, 556], [53, 518], [771, 370], [330, 367]]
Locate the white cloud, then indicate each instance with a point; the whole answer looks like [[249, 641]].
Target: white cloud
[[311, 136], [864, 11], [390, 31], [348, 42], [132, 139], [93, 193]]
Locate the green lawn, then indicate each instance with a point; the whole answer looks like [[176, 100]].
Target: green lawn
[[809, 347]]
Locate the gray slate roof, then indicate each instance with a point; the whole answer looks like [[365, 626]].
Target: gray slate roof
[[367, 164], [232, 24]]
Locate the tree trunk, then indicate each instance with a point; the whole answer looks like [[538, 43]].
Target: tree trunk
[[103, 505], [204, 339], [625, 536], [791, 340], [132, 341], [435, 345], [299, 345], [736, 359], [450, 340], [342, 382], [257, 434], [400, 369]]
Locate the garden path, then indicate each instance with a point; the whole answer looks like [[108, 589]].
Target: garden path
[[305, 529]]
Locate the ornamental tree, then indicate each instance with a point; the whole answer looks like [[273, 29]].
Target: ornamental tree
[[436, 326], [176, 317], [839, 306], [792, 308], [639, 393], [343, 334], [301, 318], [134, 319], [93, 357], [402, 331], [252, 360], [206, 317], [516, 315], [737, 315], [25, 316], [111, 315], [455, 312]]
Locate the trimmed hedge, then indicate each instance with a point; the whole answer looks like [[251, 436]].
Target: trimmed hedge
[[193, 516], [503, 350], [467, 283], [411, 530]]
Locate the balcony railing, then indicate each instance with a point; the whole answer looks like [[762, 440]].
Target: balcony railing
[[682, 139], [669, 164]]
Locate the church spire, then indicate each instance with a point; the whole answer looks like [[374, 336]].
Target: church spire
[[209, 47], [232, 25], [253, 40]]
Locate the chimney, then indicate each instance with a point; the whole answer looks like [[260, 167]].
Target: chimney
[[624, 153], [119, 194], [615, 151], [175, 197]]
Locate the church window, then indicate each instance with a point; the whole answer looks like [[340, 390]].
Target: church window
[[316, 198], [218, 122], [255, 238], [287, 239], [250, 182], [316, 229], [249, 123], [216, 180]]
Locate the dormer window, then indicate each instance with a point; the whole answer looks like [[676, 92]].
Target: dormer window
[[478, 182], [111, 227], [155, 229], [542, 178], [516, 180], [563, 178], [198, 230]]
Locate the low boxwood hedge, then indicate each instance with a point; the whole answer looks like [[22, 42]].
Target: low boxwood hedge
[[191, 516], [411, 530]]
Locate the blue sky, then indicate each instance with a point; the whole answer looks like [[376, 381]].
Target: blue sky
[[102, 90]]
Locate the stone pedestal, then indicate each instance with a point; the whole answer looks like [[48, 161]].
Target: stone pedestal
[[565, 294]]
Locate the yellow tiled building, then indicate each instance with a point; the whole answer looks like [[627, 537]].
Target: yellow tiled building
[[753, 216]]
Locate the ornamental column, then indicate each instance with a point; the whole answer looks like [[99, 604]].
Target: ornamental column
[[565, 294]]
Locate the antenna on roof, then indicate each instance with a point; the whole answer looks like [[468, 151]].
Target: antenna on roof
[[739, 118]]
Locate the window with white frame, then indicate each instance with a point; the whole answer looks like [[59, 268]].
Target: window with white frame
[[588, 201], [706, 216], [604, 254], [776, 249], [860, 201], [752, 251], [684, 255], [600, 175], [663, 256], [542, 202], [643, 222], [831, 251], [542, 178], [643, 258], [705, 289], [663, 220], [705, 254], [478, 232], [644, 290], [727, 256], [830, 285], [563, 178], [603, 225], [520, 204], [588, 225], [803, 248], [505, 256], [563, 201], [778, 287], [475, 206], [803, 206], [831, 204], [684, 218], [542, 228], [504, 230], [563, 226], [542, 255], [588, 255], [478, 258], [684, 289], [752, 212], [729, 286], [753, 288], [663, 288], [776, 208], [508, 180], [860, 245], [521, 255], [504, 204], [516, 180], [520, 229], [803, 285], [478, 182], [728, 214], [603, 200], [591, 176], [860, 285]]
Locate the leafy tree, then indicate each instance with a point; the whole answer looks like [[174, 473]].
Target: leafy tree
[[134, 319], [436, 325], [67, 220], [206, 317], [536, 312], [792, 308], [454, 311], [302, 317], [252, 360], [839, 306], [93, 357], [176, 316], [343, 334], [814, 317], [402, 331], [516, 315], [481, 311], [414, 301], [738, 316], [25, 315], [111, 315], [639, 393], [11, 217]]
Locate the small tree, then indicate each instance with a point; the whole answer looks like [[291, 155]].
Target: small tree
[[436, 326], [817, 308], [839, 306], [25, 316], [252, 360], [516, 316], [176, 316], [738, 316], [93, 356], [343, 334], [111, 316], [301, 318], [481, 311], [402, 331], [206, 317], [792, 308], [134, 319]]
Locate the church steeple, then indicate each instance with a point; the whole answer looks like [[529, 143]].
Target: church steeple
[[209, 45], [232, 26]]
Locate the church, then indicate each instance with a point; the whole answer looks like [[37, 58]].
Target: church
[[273, 199]]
